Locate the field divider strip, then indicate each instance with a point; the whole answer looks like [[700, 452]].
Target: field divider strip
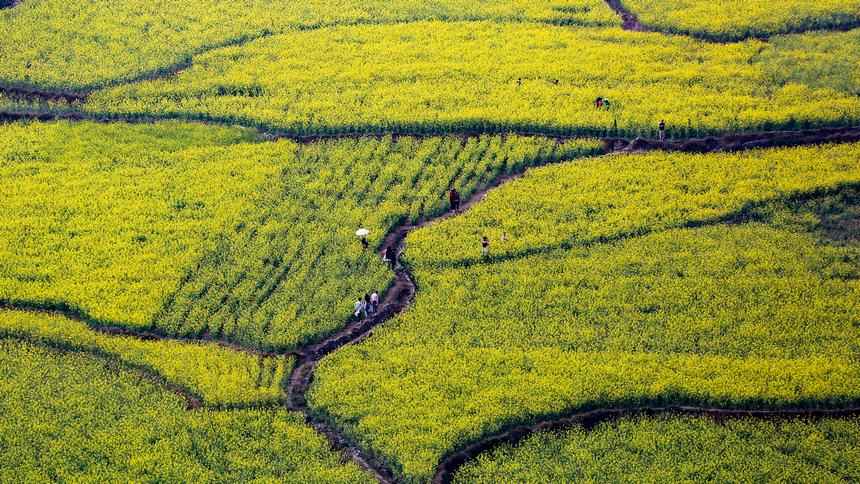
[[589, 419]]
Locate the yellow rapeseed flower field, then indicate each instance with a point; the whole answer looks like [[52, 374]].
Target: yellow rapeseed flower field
[[623, 281], [740, 19], [434, 77], [680, 449]]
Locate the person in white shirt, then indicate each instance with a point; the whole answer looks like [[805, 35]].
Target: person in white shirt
[[360, 309], [374, 300]]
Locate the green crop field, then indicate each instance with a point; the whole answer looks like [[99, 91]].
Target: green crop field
[[413, 242]]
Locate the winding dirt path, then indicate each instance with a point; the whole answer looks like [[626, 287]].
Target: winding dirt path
[[401, 294], [446, 469]]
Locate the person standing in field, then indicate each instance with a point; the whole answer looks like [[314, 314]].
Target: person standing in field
[[454, 198], [485, 246], [374, 301], [662, 129], [364, 242]]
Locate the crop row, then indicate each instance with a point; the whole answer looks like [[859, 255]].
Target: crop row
[[290, 272]]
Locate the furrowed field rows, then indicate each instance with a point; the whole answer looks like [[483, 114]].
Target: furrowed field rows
[[82, 45], [170, 240], [679, 448], [67, 416], [219, 376], [479, 77], [742, 315], [729, 20]]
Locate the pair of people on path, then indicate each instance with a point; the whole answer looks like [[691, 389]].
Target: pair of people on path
[[367, 305]]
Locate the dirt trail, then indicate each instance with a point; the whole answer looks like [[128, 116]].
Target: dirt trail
[[446, 469], [401, 294], [628, 18]]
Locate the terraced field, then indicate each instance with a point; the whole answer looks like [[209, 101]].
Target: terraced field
[[179, 257]]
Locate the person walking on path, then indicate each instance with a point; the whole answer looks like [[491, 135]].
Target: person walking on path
[[374, 301], [360, 309], [662, 129], [485, 246], [454, 198], [368, 306], [390, 257]]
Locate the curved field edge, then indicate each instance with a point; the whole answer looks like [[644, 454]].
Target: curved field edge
[[67, 413], [88, 34], [764, 86], [209, 374], [746, 21], [351, 422], [670, 446]]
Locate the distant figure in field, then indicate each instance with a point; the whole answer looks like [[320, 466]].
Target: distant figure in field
[[505, 237], [454, 198], [485, 246], [606, 104], [374, 300], [368, 305], [519, 81], [598, 103], [662, 129], [555, 82], [390, 257], [364, 242], [360, 309]]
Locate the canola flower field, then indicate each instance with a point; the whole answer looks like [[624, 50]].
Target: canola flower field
[[182, 183], [643, 306], [83, 45], [432, 77], [219, 376], [674, 449], [730, 20], [67, 416], [224, 239]]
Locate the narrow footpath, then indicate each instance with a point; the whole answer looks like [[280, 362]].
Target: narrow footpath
[[401, 294]]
